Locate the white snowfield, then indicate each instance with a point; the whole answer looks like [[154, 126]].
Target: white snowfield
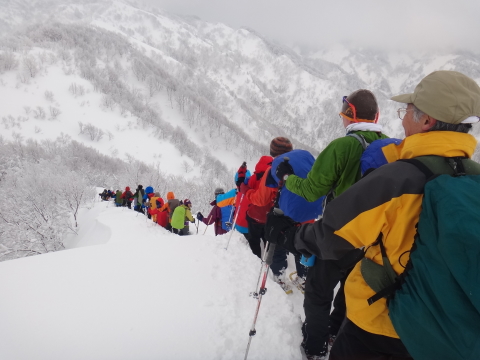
[[140, 292]]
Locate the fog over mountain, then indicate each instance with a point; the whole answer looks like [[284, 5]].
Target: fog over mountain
[[174, 101]]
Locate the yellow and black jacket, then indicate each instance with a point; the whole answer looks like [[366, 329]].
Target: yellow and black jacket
[[388, 201]]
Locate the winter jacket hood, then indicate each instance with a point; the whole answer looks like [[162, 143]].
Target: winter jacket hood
[[263, 164], [170, 195], [260, 197], [446, 142]]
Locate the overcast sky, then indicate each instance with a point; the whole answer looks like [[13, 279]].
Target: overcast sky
[[406, 24]]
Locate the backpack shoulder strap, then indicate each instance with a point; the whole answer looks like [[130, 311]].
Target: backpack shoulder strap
[[432, 165], [360, 139]]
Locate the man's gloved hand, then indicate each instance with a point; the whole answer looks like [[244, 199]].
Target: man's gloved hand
[[280, 230], [244, 188], [200, 216], [284, 169]]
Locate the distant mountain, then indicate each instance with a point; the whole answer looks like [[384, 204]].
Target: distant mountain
[[108, 94], [161, 86]]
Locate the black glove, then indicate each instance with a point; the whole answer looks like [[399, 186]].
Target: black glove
[[284, 168], [200, 216], [280, 230], [240, 181]]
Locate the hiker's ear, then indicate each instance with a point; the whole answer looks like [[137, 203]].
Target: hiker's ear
[[428, 123]]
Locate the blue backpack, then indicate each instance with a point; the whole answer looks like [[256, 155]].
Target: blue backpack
[[373, 156]]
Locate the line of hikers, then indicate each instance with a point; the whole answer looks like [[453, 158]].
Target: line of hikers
[[383, 218], [399, 231], [174, 215], [393, 222]]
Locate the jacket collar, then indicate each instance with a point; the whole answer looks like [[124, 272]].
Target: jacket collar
[[441, 143]]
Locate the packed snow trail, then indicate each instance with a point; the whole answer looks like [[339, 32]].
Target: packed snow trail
[[145, 294]]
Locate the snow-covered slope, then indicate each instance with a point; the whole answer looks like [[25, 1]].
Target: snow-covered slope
[[143, 293], [216, 92]]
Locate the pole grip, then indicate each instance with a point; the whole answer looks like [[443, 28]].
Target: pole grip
[[271, 251]]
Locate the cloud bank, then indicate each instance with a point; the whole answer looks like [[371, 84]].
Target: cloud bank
[[406, 25]]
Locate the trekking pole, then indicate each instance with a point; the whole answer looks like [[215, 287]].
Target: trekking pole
[[266, 262], [263, 259], [208, 224], [235, 221], [266, 266]]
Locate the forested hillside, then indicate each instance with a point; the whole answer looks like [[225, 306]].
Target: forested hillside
[[113, 94]]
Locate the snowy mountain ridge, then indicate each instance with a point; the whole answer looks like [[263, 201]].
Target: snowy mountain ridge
[[165, 101], [256, 88]]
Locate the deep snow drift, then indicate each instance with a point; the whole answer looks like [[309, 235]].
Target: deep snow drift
[[140, 292]]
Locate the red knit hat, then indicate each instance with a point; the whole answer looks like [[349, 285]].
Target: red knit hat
[[280, 145]]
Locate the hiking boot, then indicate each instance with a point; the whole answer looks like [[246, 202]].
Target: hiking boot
[[322, 353], [285, 287]]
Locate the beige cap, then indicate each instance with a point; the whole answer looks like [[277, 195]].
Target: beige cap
[[447, 96]]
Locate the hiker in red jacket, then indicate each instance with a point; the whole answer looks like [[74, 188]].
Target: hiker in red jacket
[[242, 172], [160, 216], [127, 197]]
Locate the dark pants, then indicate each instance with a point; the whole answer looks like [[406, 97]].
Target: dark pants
[[301, 270], [319, 289], [354, 343], [180, 232], [256, 233], [279, 263]]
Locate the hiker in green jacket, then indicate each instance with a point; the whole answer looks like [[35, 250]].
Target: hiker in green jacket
[[181, 216], [338, 165], [118, 198], [334, 171]]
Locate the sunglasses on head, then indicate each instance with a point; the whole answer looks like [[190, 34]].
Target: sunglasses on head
[[354, 110], [344, 99]]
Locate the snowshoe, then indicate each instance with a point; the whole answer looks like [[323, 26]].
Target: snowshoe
[[298, 281], [288, 290]]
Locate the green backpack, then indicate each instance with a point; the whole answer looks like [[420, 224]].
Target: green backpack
[[434, 304]]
